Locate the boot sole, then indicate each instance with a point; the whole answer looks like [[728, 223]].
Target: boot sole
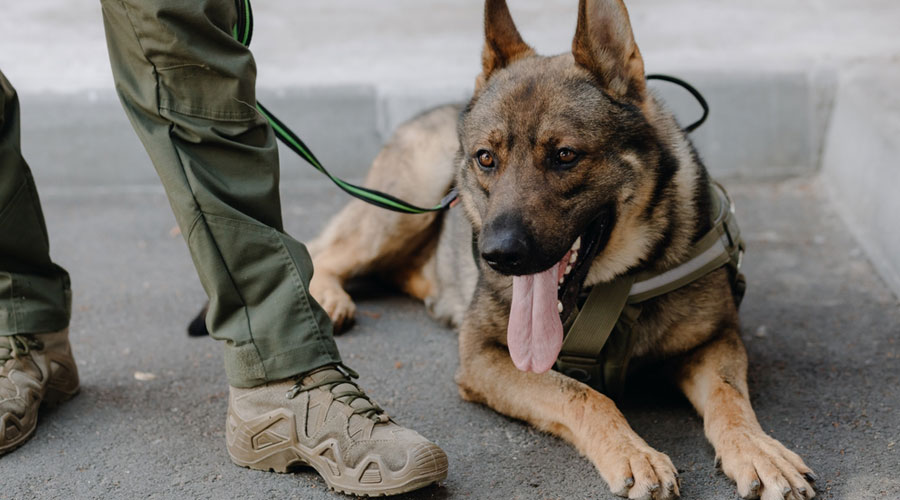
[[251, 444], [51, 399], [13, 446]]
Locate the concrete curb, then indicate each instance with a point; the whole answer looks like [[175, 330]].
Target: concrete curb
[[761, 125], [860, 166], [774, 124]]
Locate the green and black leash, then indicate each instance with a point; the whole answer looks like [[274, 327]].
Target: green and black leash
[[243, 32]]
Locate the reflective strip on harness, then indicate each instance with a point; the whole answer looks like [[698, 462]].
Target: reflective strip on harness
[[716, 255], [714, 250]]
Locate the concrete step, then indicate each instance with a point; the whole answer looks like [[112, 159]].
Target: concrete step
[[760, 126], [862, 162]]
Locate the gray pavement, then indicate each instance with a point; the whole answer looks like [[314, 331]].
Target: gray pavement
[[820, 327]]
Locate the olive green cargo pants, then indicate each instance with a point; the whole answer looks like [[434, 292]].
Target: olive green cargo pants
[[34, 292], [189, 90]]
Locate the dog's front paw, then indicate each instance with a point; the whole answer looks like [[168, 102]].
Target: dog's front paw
[[763, 468], [634, 470], [329, 293]]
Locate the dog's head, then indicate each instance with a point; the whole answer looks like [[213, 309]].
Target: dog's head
[[558, 153]]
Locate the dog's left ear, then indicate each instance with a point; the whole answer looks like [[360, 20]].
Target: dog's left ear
[[502, 42], [604, 44]]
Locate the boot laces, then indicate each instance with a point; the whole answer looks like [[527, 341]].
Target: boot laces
[[16, 346], [340, 375]]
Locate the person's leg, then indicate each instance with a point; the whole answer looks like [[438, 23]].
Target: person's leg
[[36, 364], [189, 90], [34, 292]]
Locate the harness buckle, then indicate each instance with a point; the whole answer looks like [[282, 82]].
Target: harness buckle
[[586, 370]]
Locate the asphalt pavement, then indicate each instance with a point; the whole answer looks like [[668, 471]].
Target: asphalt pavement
[[820, 327]]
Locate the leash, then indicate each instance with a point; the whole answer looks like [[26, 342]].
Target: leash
[[242, 31], [694, 92]]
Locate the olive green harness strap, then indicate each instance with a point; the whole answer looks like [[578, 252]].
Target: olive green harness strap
[[588, 335], [720, 246], [599, 344]]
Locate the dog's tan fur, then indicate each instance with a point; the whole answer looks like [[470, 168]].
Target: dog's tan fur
[[524, 104]]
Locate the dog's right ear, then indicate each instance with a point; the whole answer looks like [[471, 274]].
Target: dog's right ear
[[502, 42]]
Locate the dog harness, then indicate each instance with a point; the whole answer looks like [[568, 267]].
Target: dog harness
[[598, 344]]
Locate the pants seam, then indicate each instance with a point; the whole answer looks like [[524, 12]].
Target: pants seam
[[12, 201], [12, 301], [215, 246], [194, 223], [137, 37], [295, 274], [207, 113]]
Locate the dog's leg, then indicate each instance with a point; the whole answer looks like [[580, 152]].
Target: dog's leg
[[416, 165], [714, 378], [362, 240], [565, 407]]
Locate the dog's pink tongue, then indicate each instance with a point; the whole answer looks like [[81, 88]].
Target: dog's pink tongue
[[535, 332]]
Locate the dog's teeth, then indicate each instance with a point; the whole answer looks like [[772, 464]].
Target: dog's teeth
[[573, 258], [559, 306], [568, 269], [562, 279], [577, 245]]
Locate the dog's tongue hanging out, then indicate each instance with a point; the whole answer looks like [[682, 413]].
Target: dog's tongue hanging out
[[535, 332]]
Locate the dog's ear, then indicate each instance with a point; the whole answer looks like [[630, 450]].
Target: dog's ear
[[604, 44], [502, 42]]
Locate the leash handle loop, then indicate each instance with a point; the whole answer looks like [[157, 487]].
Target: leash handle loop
[[693, 91]]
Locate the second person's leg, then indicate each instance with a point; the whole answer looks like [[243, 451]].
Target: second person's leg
[[36, 364]]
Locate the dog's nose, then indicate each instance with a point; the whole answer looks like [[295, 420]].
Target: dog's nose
[[504, 250]]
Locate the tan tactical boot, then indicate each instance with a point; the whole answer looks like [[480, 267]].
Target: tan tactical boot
[[34, 369], [325, 421]]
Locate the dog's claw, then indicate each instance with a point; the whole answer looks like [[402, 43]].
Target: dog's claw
[[753, 491], [811, 476], [654, 487], [718, 463], [629, 482]]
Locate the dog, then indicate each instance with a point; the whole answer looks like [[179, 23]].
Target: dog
[[552, 155]]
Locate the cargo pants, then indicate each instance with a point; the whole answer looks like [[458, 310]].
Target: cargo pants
[[188, 89]]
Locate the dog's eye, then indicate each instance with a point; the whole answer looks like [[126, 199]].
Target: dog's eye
[[485, 158], [565, 157]]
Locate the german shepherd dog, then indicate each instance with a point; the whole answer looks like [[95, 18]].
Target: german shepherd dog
[[555, 157]]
